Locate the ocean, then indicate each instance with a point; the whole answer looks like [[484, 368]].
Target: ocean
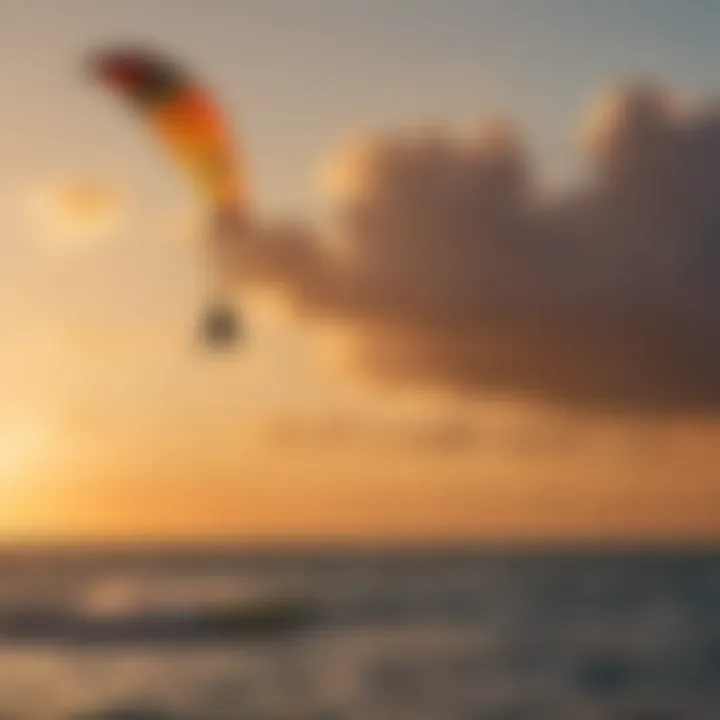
[[443, 634]]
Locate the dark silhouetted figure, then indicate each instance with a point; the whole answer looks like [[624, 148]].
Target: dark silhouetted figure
[[221, 327]]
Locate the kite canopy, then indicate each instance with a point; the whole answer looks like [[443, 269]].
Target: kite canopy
[[185, 116]]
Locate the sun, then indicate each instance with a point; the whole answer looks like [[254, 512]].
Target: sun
[[23, 445]]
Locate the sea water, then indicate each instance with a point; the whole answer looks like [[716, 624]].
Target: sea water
[[423, 634]]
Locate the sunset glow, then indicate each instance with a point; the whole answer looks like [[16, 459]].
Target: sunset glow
[[461, 322]]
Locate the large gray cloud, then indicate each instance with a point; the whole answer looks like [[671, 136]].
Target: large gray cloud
[[449, 265]]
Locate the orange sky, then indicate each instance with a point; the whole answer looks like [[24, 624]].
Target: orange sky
[[114, 424]]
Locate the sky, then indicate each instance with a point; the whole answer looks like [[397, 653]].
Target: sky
[[481, 291]]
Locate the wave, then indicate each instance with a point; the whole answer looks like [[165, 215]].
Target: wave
[[261, 618]]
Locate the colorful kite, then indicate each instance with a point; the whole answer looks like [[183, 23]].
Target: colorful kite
[[191, 124]]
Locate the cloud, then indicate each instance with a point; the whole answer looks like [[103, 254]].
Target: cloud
[[75, 212], [447, 264], [338, 433]]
